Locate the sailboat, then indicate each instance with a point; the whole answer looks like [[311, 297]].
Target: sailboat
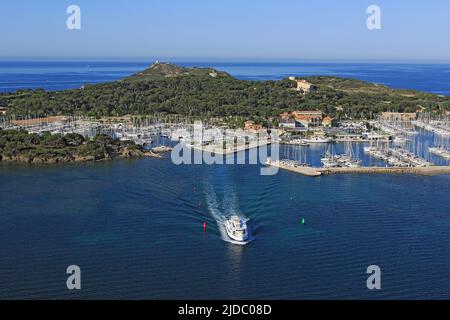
[[348, 159], [441, 147], [328, 160]]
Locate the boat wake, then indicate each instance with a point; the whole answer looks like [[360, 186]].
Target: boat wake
[[220, 210]]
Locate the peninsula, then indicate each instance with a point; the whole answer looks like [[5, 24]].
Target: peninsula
[[205, 93]]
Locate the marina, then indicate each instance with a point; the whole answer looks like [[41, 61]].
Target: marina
[[393, 143], [357, 144], [439, 124]]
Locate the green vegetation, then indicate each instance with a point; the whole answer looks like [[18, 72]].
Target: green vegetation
[[207, 93], [21, 146]]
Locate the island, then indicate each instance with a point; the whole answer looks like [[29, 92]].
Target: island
[[206, 94]]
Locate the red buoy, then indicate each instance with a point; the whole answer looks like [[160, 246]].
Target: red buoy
[[205, 225]]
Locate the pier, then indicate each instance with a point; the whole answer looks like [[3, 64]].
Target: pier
[[428, 171], [218, 149], [304, 170], [316, 172]]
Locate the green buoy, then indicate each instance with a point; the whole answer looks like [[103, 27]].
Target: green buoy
[[303, 221]]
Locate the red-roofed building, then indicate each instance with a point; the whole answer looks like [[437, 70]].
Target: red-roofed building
[[305, 119], [252, 127], [327, 121], [308, 118]]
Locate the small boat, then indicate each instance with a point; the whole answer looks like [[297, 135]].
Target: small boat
[[165, 134], [300, 142], [236, 229], [401, 140], [318, 140], [329, 162], [330, 159]]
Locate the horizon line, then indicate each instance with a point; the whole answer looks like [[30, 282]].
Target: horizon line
[[220, 60]]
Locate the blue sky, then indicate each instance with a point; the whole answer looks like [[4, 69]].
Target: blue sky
[[226, 30]]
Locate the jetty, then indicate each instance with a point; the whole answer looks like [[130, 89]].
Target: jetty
[[304, 170], [317, 172], [428, 171], [218, 149]]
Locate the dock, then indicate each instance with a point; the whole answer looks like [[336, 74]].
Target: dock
[[307, 171], [217, 149], [317, 172], [427, 171]]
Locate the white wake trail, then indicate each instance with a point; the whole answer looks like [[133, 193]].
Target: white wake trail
[[221, 210]]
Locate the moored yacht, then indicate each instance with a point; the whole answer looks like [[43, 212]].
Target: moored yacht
[[329, 162], [300, 142], [318, 140]]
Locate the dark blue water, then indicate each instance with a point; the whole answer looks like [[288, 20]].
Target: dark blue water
[[135, 226], [434, 78], [135, 229]]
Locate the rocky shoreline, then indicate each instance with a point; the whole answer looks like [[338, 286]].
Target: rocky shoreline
[[68, 158], [24, 148]]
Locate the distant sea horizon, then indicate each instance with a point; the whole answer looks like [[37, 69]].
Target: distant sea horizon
[[431, 77]]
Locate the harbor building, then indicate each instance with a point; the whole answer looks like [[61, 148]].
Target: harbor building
[[308, 119], [40, 121], [305, 119], [287, 121], [250, 126], [327, 121]]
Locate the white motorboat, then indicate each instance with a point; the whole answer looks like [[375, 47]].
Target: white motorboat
[[440, 152], [236, 229], [318, 140], [300, 142]]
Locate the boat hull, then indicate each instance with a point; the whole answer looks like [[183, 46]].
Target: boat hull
[[238, 238]]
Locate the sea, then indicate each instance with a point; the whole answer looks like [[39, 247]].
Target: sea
[[135, 227]]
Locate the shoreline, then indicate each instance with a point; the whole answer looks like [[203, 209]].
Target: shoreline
[[21, 146], [20, 159]]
